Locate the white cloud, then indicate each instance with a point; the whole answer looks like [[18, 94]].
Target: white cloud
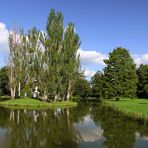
[[89, 60], [88, 72], [91, 57], [3, 38], [140, 59]]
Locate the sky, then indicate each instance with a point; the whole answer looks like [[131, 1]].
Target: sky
[[102, 25]]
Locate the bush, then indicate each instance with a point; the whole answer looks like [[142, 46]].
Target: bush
[[117, 99], [75, 98]]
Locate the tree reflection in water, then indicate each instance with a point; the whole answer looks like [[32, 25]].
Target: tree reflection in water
[[47, 128], [119, 131], [88, 125]]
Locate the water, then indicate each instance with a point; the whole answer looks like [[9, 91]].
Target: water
[[85, 126]]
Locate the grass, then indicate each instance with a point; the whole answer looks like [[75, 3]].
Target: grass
[[32, 103], [137, 108]]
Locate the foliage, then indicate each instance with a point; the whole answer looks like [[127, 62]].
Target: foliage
[[97, 84], [142, 73], [4, 82], [120, 74], [82, 88]]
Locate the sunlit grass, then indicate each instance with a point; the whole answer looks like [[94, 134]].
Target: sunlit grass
[[35, 103], [132, 107]]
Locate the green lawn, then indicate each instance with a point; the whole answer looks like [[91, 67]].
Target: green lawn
[[132, 107], [35, 103]]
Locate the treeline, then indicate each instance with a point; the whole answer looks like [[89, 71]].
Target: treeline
[[48, 60], [116, 80], [120, 78]]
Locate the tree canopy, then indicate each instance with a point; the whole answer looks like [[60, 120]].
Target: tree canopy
[[142, 73], [97, 84], [82, 88], [4, 82], [120, 74]]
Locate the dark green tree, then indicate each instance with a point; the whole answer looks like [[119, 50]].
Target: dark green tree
[[142, 73], [120, 74], [82, 88], [97, 84], [4, 82]]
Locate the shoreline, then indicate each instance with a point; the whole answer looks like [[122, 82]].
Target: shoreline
[[32, 103], [133, 108]]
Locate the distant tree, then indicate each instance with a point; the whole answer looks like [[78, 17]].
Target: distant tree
[[97, 84], [142, 73], [81, 88], [120, 74], [4, 81]]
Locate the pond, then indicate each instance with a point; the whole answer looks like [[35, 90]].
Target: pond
[[84, 126]]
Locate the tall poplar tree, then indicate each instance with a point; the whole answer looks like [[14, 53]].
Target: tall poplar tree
[[71, 65], [14, 62], [53, 47]]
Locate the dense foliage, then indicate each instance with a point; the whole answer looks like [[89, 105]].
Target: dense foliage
[[4, 85], [120, 75], [118, 79], [97, 85], [82, 88], [142, 73]]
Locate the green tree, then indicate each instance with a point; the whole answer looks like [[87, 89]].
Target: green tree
[[120, 74], [4, 81], [71, 64], [53, 49], [60, 56], [82, 88], [97, 84], [142, 73]]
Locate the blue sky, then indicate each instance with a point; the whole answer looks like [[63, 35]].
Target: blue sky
[[102, 25]]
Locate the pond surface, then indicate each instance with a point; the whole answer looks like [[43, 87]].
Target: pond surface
[[85, 126]]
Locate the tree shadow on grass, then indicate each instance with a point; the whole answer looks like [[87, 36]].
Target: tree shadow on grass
[[144, 103]]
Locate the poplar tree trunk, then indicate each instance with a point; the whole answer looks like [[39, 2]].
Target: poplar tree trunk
[[13, 90], [45, 96], [68, 92], [56, 97], [19, 89]]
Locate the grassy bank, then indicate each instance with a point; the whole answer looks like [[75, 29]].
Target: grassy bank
[[137, 108], [35, 103]]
